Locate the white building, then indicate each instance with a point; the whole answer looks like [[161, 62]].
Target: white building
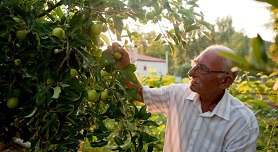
[[146, 64]]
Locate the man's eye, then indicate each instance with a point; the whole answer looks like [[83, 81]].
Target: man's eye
[[203, 69]]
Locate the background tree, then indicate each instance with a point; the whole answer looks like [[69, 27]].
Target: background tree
[[274, 46], [225, 29]]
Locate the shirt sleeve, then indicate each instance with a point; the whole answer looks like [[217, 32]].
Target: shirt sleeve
[[244, 141], [157, 99]]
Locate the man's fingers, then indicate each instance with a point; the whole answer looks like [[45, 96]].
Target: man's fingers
[[117, 47], [111, 50]]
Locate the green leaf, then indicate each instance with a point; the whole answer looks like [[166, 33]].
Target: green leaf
[[99, 144], [82, 38], [64, 85], [136, 112], [150, 123], [150, 147], [130, 126], [192, 27], [158, 37], [40, 97], [105, 39], [100, 134], [177, 17], [71, 120], [188, 22], [135, 8], [183, 44], [187, 13], [102, 127], [271, 2], [207, 34], [177, 33], [258, 50], [206, 24], [88, 21], [118, 23], [59, 12], [172, 47], [32, 113], [142, 111], [64, 108], [147, 138], [45, 125], [193, 3], [118, 140], [128, 73], [239, 60], [145, 2], [174, 37], [146, 116], [259, 103], [106, 58], [57, 91], [168, 7]]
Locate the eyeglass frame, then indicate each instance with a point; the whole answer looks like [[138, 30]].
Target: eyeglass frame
[[205, 69]]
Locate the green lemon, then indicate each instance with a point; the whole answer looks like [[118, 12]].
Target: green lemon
[[49, 81], [12, 102], [96, 40], [17, 62], [73, 73], [92, 95], [104, 28], [4, 34], [99, 53], [117, 55], [58, 32], [21, 34], [104, 95], [150, 15], [96, 29]]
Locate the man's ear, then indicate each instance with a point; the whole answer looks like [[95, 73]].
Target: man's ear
[[227, 80]]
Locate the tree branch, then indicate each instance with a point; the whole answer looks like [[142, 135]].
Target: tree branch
[[50, 9]]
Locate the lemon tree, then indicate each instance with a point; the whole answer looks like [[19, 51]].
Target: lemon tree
[[51, 58]]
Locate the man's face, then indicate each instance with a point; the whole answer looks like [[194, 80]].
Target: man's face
[[202, 80]]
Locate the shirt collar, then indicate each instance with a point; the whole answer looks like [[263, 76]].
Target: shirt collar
[[191, 96], [222, 109]]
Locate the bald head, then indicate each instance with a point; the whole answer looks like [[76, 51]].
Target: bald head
[[227, 64]]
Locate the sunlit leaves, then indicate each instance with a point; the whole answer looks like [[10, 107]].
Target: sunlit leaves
[[57, 91], [260, 61], [187, 13], [272, 2], [118, 26], [258, 50], [256, 91]]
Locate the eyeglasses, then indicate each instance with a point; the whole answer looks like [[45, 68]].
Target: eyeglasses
[[203, 70]]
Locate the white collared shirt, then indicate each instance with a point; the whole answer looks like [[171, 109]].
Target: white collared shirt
[[230, 127]]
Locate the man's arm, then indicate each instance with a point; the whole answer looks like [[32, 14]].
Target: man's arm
[[244, 141], [124, 61]]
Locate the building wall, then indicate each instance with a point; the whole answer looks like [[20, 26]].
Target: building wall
[[143, 67]]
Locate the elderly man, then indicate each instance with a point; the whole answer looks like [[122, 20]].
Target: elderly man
[[202, 116]]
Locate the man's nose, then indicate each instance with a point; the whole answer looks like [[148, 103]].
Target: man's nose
[[191, 71]]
